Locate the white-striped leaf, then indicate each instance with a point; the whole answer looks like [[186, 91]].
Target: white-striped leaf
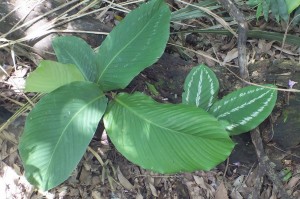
[[245, 109], [200, 87]]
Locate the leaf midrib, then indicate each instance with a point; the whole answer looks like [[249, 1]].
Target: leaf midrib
[[159, 126], [122, 49], [78, 65], [68, 124]]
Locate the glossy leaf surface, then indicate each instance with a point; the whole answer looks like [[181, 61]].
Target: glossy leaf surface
[[200, 87], [50, 75], [246, 108], [166, 138], [134, 44], [58, 131]]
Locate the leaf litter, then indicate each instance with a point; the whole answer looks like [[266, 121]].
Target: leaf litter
[[120, 178]]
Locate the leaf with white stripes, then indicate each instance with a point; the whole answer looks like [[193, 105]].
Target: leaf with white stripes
[[201, 87], [246, 108]]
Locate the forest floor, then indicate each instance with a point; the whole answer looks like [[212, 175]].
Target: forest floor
[[269, 62]]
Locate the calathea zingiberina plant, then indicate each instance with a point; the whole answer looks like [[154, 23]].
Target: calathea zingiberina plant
[[166, 138]]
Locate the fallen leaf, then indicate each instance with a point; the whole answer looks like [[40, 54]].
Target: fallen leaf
[[293, 181], [96, 195], [235, 194], [153, 190], [238, 182], [221, 192], [200, 182], [231, 55], [124, 182]]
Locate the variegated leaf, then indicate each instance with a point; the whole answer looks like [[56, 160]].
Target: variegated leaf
[[201, 87], [245, 109]]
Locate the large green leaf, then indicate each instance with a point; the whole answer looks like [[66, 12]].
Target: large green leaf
[[74, 50], [58, 131], [246, 108], [134, 44], [166, 138], [50, 75], [200, 87]]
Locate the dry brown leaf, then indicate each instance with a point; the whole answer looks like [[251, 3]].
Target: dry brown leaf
[[296, 194], [200, 182], [138, 196], [8, 136], [153, 190], [286, 51], [124, 182], [17, 169], [264, 47], [5, 71], [96, 195], [85, 177], [221, 192], [231, 55], [73, 192], [239, 181], [236, 195], [293, 181], [274, 193], [62, 191]]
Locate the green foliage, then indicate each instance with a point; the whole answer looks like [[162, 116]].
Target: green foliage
[[239, 111], [137, 42], [58, 131], [165, 138], [246, 108], [201, 87], [292, 5], [280, 8], [73, 50], [60, 127], [50, 75]]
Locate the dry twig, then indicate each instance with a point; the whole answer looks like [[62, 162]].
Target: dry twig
[[264, 161]]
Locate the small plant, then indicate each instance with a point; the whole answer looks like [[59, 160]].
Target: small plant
[[281, 9], [166, 138]]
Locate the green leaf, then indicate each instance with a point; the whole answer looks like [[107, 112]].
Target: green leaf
[[266, 9], [259, 11], [296, 18], [58, 131], [283, 10], [253, 2], [74, 50], [200, 87], [292, 5], [166, 138], [50, 75], [134, 44], [275, 9], [245, 108]]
